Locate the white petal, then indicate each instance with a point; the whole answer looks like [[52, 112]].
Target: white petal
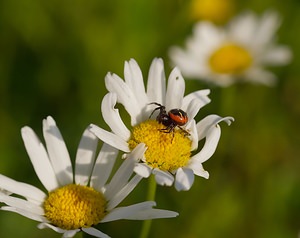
[[123, 193], [94, 232], [278, 55], [103, 166], [110, 138], [152, 214], [85, 157], [67, 233], [28, 191], [143, 170], [125, 96], [205, 124], [156, 85], [184, 179], [192, 129], [39, 159], [124, 212], [21, 204], [25, 213], [134, 78], [112, 117], [120, 178], [163, 178], [175, 90], [58, 153], [259, 75], [197, 167], [200, 95]]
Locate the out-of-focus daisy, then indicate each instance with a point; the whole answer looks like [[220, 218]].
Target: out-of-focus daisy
[[167, 154], [240, 51], [75, 204], [217, 11]]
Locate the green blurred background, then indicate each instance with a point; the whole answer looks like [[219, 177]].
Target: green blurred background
[[54, 57]]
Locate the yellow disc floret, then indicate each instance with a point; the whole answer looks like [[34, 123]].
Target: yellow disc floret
[[230, 59], [166, 151], [75, 206]]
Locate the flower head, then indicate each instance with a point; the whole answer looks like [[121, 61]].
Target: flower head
[[170, 142], [224, 55], [78, 201]]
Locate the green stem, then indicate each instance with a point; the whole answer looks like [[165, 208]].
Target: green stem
[[150, 197]]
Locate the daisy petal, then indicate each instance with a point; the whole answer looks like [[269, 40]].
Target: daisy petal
[[197, 167], [94, 232], [24, 213], [134, 78], [152, 214], [123, 193], [125, 96], [124, 212], [21, 204], [67, 233], [112, 117], [200, 95], [124, 172], [58, 153], [85, 157], [28, 191], [175, 90], [156, 85], [163, 178], [109, 138], [39, 159], [143, 170], [278, 55], [184, 179], [103, 166]]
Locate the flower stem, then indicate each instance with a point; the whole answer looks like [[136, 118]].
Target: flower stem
[[150, 197]]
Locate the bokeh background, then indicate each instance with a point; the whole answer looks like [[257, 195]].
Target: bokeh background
[[54, 57]]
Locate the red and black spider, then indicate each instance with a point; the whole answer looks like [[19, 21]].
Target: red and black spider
[[174, 118]]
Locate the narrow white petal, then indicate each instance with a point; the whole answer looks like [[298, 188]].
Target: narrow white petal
[[123, 193], [163, 178], [39, 159], [103, 166], [25, 213], [67, 233], [21, 204], [110, 138], [152, 214], [134, 78], [124, 172], [156, 85], [278, 55], [85, 157], [200, 96], [175, 90], [28, 191], [192, 129], [205, 124], [184, 179], [197, 167], [143, 170], [124, 212], [58, 153], [125, 96], [112, 117], [94, 232], [262, 76]]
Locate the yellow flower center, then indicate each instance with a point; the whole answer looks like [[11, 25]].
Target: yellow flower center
[[230, 59], [217, 11], [75, 206], [166, 151]]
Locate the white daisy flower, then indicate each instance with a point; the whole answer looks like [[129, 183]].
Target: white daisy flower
[[240, 51], [169, 149], [75, 204]]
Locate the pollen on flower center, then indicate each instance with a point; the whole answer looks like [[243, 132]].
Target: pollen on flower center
[[166, 151], [75, 206], [230, 59]]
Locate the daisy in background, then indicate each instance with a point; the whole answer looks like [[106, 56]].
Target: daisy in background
[[170, 153], [77, 203], [239, 51]]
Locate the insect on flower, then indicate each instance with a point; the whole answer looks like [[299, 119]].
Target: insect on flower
[[174, 118]]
